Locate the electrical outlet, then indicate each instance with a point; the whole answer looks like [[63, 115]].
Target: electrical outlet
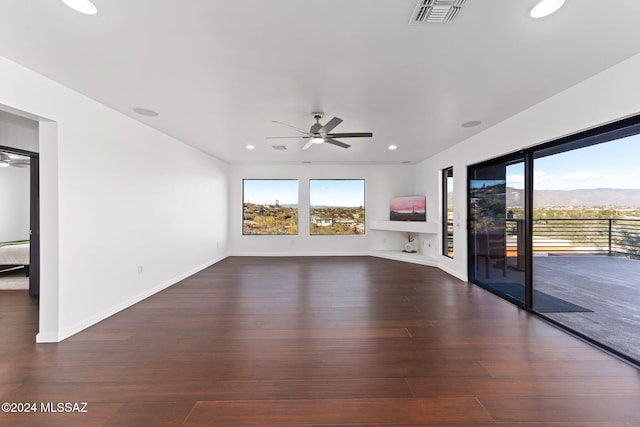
[[139, 269]]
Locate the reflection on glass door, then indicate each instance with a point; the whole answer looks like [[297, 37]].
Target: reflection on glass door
[[496, 228]]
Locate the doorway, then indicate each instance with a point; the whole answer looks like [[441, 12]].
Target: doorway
[[20, 237]]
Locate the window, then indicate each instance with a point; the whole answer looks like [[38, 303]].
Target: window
[[447, 212], [269, 206], [336, 206]]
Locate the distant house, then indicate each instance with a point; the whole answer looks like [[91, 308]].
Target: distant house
[[322, 222], [345, 221]]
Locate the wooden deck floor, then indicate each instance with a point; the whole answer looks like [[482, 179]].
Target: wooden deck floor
[[316, 341], [609, 286]]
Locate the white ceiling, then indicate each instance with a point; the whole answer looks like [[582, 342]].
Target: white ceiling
[[220, 71]]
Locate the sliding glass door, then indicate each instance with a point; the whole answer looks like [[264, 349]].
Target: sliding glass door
[[555, 229], [496, 228], [586, 228]]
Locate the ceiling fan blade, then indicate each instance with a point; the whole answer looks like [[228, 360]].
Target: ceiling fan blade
[[307, 145], [350, 135], [283, 137], [328, 127], [292, 127], [338, 143]]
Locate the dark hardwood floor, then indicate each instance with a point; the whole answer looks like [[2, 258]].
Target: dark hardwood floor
[[314, 341]]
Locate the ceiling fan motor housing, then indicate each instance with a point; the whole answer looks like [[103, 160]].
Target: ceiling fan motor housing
[[315, 128]]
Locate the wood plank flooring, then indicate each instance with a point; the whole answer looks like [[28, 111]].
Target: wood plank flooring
[[607, 285], [314, 341]]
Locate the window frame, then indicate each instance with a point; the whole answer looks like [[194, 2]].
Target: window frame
[[297, 214], [364, 206], [446, 174]]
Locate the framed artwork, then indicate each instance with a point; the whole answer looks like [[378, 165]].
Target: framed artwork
[[408, 208]]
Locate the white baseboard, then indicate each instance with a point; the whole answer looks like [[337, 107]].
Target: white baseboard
[[414, 258], [454, 273], [276, 254], [47, 337], [44, 337], [393, 255]]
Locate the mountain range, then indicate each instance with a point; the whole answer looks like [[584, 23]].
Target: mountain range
[[619, 197]]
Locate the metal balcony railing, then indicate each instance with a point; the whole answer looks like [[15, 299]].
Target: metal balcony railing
[[607, 236]]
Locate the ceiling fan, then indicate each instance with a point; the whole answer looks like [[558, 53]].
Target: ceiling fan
[[319, 133]]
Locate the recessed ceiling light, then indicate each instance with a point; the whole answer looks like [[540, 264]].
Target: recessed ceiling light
[[145, 112], [82, 6], [392, 147], [546, 8], [471, 124], [250, 147], [406, 162], [306, 162]]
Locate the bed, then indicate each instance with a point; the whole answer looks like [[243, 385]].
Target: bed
[[14, 254]]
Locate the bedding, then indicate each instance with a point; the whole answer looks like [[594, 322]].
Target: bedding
[[14, 253]]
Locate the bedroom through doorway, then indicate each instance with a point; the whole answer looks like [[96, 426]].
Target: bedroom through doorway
[[19, 229]]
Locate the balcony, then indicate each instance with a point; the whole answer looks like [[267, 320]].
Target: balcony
[[577, 236], [593, 263]]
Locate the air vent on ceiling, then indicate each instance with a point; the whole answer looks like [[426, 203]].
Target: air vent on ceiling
[[436, 11], [279, 147]]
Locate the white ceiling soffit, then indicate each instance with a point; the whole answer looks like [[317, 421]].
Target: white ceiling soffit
[[436, 11]]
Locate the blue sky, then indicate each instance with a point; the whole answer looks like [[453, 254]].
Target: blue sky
[[267, 191], [614, 164], [322, 192]]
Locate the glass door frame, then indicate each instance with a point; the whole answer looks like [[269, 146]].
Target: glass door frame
[[600, 134], [517, 157]]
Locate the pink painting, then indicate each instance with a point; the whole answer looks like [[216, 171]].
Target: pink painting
[[408, 208]]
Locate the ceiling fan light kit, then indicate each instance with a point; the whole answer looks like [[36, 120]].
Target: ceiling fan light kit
[[319, 133], [546, 8], [83, 6]]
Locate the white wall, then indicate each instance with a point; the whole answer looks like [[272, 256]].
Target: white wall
[[14, 204], [381, 183], [115, 195], [22, 133], [604, 98], [18, 132]]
